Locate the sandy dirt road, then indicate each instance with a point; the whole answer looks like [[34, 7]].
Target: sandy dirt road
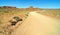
[[37, 24]]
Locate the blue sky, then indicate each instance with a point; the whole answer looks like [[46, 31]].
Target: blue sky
[[34, 3]]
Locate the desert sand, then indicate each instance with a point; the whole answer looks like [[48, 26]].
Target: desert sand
[[37, 24]]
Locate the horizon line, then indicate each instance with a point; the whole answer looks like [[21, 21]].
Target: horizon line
[[32, 7]]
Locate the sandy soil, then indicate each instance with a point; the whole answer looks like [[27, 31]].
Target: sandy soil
[[37, 24]]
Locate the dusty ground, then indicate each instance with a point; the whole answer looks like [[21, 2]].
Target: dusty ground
[[37, 24], [7, 14]]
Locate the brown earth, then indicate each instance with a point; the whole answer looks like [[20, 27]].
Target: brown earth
[[37, 24], [7, 13]]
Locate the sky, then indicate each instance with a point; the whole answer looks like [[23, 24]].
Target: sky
[[34, 3]]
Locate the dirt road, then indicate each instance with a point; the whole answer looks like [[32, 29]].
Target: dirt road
[[37, 24]]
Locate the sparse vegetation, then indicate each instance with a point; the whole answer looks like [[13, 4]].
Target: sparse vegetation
[[52, 13], [6, 13]]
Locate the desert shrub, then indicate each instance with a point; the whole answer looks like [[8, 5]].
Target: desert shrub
[[1, 22], [17, 18]]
